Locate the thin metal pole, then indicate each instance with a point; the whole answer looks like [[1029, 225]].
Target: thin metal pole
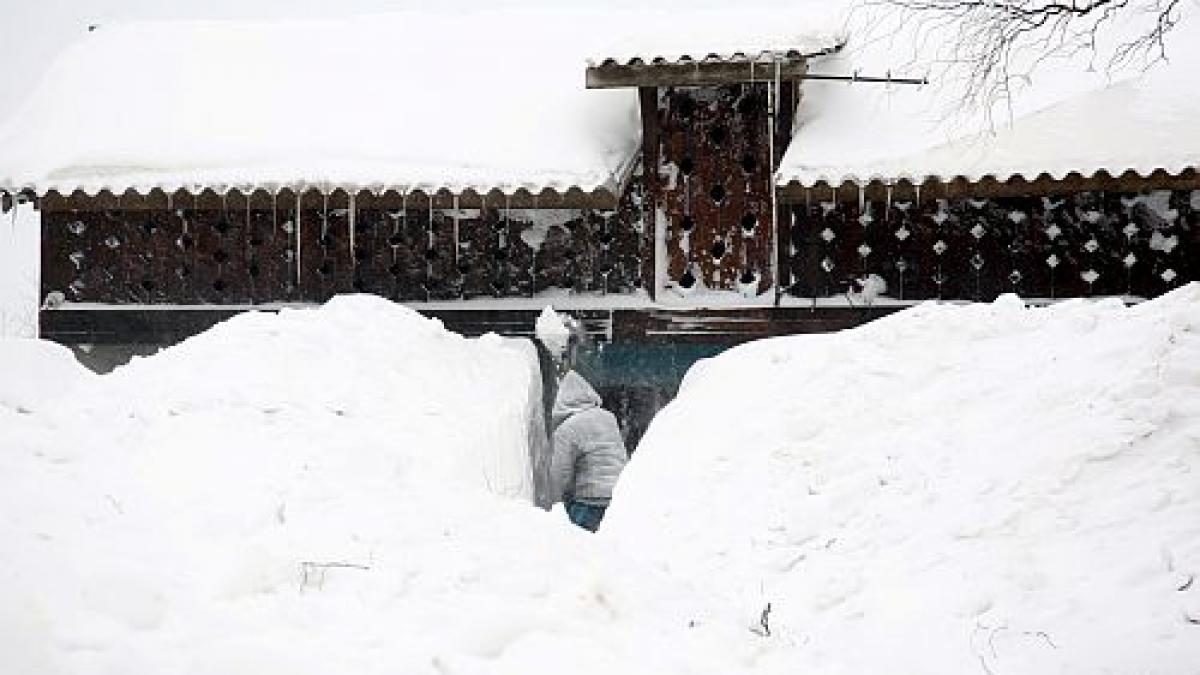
[[773, 98], [865, 78]]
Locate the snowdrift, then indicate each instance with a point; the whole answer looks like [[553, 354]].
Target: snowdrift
[[32, 371], [984, 488], [342, 490]]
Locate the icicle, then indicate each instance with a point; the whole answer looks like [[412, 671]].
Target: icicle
[[248, 228], [324, 214], [299, 197], [429, 245], [403, 213], [353, 209], [457, 214], [429, 229], [195, 209], [887, 201]]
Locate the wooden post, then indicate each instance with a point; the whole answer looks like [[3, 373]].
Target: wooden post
[[648, 99]]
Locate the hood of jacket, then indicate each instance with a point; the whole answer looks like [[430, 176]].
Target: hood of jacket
[[574, 395]]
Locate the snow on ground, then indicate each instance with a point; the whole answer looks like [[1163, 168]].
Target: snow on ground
[[985, 488], [34, 371], [341, 490]]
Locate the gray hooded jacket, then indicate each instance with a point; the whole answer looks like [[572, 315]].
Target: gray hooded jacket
[[588, 451]]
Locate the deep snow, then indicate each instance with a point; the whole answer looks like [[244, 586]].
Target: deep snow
[[985, 488], [342, 490]]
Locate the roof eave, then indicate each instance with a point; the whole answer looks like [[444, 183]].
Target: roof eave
[[1014, 185]]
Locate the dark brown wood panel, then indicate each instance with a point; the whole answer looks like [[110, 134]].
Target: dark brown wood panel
[[1054, 246], [693, 73], [714, 187], [259, 248]]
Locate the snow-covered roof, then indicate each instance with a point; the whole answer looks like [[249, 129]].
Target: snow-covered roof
[[407, 101], [1068, 118], [807, 28]]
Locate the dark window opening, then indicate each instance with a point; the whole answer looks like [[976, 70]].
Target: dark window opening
[[717, 193], [688, 280], [749, 222]]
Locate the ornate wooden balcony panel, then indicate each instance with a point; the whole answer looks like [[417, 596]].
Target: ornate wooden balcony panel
[[1080, 244], [232, 250], [714, 186]]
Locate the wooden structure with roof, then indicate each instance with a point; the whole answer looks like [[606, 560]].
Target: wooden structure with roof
[[702, 201]]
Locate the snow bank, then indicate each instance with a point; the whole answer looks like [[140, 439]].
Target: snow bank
[[948, 490], [342, 490], [33, 373]]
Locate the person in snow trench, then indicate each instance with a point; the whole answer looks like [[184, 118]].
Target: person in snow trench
[[588, 452]]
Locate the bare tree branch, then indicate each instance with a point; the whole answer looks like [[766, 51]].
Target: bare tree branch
[[996, 45]]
